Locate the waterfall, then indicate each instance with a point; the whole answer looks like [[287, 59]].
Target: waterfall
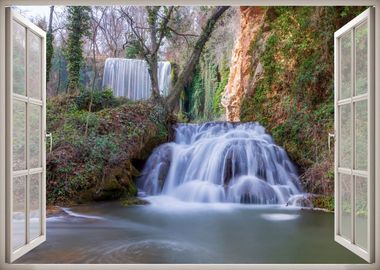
[[130, 78], [222, 162]]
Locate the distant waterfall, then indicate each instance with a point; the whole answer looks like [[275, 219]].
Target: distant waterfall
[[222, 162], [130, 78]]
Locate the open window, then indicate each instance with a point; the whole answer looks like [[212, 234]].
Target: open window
[[354, 125], [26, 167]]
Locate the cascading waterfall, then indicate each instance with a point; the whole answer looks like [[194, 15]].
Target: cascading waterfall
[[130, 78], [222, 162]]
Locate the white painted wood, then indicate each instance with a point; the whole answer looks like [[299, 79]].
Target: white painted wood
[[350, 244], [30, 244]]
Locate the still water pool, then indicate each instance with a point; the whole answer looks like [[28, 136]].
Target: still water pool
[[170, 231]]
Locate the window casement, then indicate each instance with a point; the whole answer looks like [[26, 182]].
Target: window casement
[[354, 127], [26, 109]]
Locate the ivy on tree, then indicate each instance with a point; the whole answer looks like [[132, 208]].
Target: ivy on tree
[[78, 26], [49, 44]]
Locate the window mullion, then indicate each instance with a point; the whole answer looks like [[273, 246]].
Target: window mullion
[[27, 221], [352, 136]]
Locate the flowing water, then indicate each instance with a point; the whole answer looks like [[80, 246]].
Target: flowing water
[[130, 78], [222, 162], [219, 193], [172, 231]]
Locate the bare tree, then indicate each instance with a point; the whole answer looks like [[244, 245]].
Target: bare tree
[[157, 20], [112, 26], [95, 24], [96, 21]]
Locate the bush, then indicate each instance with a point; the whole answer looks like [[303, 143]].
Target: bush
[[100, 100]]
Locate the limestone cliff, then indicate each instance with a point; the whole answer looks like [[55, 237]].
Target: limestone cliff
[[251, 20]]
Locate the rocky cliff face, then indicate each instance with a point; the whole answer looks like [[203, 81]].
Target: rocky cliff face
[[242, 62], [281, 76]]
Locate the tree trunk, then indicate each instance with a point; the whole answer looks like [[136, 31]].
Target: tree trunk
[[59, 73], [152, 57], [153, 74], [49, 44], [186, 75]]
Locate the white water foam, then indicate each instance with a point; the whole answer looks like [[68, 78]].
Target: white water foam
[[220, 162]]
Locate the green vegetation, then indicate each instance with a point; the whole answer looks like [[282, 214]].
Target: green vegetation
[[133, 50], [99, 166], [78, 25], [323, 202], [49, 53], [204, 94], [293, 98]]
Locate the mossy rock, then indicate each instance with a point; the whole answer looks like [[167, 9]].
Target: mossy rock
[[133, 201]]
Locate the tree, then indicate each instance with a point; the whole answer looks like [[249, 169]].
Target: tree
[[112, 26], [185, 76], [157, 19], [49, 44], [78, 25], [95, 24]]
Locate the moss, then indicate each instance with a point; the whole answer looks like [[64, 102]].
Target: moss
[[133, 201], [218, 109], [202, 101]]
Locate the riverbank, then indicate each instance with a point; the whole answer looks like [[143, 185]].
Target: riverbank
[[97, 153]]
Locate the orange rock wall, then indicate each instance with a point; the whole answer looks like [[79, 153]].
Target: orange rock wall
[[251, 20]]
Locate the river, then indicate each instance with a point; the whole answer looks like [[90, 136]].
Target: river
[[170, 231]]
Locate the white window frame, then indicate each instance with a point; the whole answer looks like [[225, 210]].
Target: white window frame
[[41, 170], [373, 266], [367, 15]]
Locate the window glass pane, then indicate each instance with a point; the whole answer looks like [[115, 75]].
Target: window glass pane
[[361, 135], [34, 205], [345, 205], [361, 212], [19, 137], [35, 114], [345, 66], [34, 66], [18, 59], [345, 142], [361, 48], [19, 212]]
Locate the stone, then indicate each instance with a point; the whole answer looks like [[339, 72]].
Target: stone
[[251, 21]]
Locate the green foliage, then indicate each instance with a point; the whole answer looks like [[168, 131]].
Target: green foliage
[[196, 96], [324, 202], [78, 25], [216, 103], [100, 100], [133, 51], [206, 89]]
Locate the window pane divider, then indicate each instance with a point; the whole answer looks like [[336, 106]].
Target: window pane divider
[[357, 98], [348, 171]]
